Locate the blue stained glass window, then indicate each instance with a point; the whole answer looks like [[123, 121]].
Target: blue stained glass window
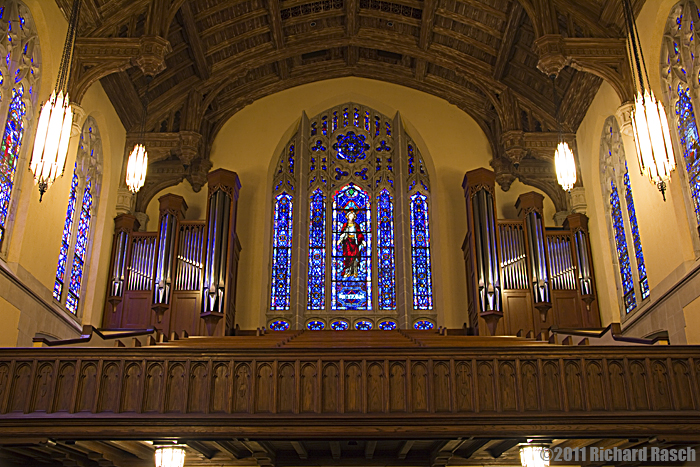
[[279, 325], [351, 271], [65, 241], [636, 239], [79, 256], [420, 253], [387, 325], [351, 147], [688, 131], [364, 325], [9, 152], [317, 251], [385, 251], [423, 325], [622, 252], [315, 325], [340, 325], [282, 253]]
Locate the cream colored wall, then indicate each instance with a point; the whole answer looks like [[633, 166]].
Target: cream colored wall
[[505, 202], [36, 229], [196, 203], [250, 141], [664, 226]]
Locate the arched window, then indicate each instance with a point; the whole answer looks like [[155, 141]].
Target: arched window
[[622, 218], [82, 206], [19, 73], [351, 207], [680, 73]]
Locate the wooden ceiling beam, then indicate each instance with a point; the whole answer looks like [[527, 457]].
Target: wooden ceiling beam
[[514, 19], [466, 39], [300, 449], [369, 449], [112, 20], [126, 101], [273, 11], [216, 8], [586, 18], [404, 449], [388, 16], [469, 22], [485, 7], [352, 8], [313, 17], [196, 47], [237, 38], [230, 23], [427, 23]]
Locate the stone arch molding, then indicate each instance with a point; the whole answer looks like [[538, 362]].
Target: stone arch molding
[[347, 144]]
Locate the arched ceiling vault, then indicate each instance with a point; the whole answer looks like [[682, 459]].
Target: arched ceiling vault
[[210, 58]]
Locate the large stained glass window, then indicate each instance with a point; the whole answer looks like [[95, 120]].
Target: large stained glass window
[[354, 210], [19, 72], [420, 253], [66, 238], [633, 285], [79, 257], [636, 239], [282, 253], [622, 252], [317, 251], [82, 204], [351, 286], [9, 152], [688, 132], [385, 251]]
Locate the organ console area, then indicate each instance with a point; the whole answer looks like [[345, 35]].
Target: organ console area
[[522, 278]]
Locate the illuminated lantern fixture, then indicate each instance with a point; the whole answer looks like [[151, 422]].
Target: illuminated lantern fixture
[[56, 119], [138, 159], [534, 456], [649, 123], [564, 162], [170, 456]]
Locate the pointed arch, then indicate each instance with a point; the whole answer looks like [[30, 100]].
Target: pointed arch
[[83, 199], [621, 216], [353, 175], [19, 79]]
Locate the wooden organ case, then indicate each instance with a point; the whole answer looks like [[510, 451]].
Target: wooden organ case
[[181, 278], [533, 277]]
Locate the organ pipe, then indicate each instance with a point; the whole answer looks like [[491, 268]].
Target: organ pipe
[[218, 284], [578, 224], [481, 211], [124, 224], [172, 211], [531, 207]]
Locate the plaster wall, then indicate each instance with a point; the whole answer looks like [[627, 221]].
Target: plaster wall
[[30, 258]]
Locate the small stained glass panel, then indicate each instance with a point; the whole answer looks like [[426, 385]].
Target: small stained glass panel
[[66, 238], [340, 325], [9, 151], [636, 238], [315, 325], [387, 325], [80, 253], [385, 252], [317, 251], [364, 325], [688, 132], [423, 325], [622, 251], [420, 253], [279, 325], [282, 253]]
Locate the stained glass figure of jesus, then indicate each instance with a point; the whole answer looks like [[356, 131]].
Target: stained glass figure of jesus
[[352, 240], [351, 286]]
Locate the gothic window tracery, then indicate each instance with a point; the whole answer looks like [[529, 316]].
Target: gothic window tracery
[[626, 242], [680, 75], [82, 207], [349, 200], [19, 74]]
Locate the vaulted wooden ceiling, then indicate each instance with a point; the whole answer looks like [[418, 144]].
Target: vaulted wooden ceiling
[[481, 55]]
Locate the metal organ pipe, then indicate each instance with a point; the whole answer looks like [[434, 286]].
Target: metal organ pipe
[[538, 263], [486, 253]]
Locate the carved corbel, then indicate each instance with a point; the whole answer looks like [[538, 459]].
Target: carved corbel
[[624, 118], [197, 173], [551, 53], [513, 142], [97, 57], [152, 52], [190, 144], [504, 172]]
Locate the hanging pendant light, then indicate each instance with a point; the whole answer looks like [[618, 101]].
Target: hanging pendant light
[[564, 162], [532, 455], [56, 119], [137, 165], [649, 122], [170, 456]]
